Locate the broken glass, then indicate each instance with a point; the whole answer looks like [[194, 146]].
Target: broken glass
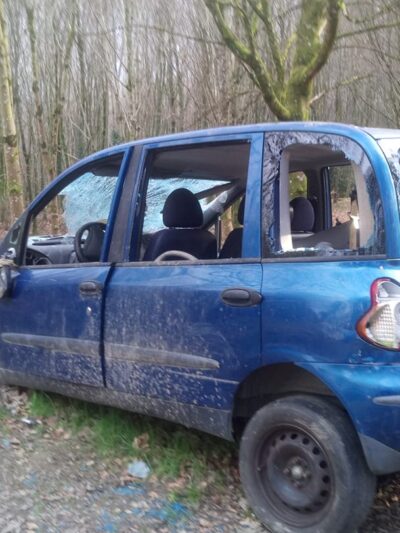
[[274, 145]]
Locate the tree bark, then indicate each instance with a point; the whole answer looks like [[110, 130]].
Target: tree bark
[[10, 139], [44, 149], [57, 116], [286, 84]]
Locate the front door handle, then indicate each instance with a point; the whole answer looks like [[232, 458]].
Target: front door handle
[[239, 297], [90, 288]]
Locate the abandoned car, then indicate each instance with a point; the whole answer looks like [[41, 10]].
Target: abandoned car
[[243, 281]]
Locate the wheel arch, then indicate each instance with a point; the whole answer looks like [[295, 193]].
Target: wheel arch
[[271, 381]]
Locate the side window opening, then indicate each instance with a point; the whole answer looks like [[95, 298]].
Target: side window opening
[[84, 201], [341, 187], [298, 184], [349, 224], [231, 219], [191, 202], [350, 204]]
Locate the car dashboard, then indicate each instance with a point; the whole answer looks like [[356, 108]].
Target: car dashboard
[[50, 249]]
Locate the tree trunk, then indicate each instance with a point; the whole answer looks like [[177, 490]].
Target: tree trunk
[[44, 149], [11, 151], [58, 109]]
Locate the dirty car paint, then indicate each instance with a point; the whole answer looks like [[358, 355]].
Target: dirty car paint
[[46, 302], [105, 347]]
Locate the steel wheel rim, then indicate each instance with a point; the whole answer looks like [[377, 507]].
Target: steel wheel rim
[[295, 476]]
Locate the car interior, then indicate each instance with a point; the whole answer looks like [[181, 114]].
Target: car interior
[[189, 192], [333, 211], [330, 212], [194, 206]]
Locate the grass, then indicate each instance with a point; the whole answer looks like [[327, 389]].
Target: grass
[[172, 451], [41, 405], [4, 413]]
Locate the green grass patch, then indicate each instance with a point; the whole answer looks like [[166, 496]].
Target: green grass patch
[[172, 451], [4, 413], [42, 405], [114, 432]]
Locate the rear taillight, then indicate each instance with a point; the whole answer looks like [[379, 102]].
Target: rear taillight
[[381, 324]]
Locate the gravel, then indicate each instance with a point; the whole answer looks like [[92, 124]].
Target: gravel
[[52, 481]]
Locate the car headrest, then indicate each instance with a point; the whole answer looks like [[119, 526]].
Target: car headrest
[[240, 214], [303, 214], [182, 210]]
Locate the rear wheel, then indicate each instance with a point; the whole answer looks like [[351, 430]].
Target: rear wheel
[[302, 468]]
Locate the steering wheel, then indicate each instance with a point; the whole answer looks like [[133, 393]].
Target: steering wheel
[[89, 249], [34, 257], [172, 254]]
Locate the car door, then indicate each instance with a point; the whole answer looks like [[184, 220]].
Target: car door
[[317, 278], [178, 331], [51, 323]]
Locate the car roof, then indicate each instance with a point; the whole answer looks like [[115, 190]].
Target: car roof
[[317, 127], [383, 133]]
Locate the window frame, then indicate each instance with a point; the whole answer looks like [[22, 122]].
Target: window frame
[[67, 177], [251, 237], [295, 138]]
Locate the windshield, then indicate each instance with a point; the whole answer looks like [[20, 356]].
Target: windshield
[[85, 199], [159, 190]]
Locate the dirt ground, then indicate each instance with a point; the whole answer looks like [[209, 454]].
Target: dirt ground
[[53, 481]]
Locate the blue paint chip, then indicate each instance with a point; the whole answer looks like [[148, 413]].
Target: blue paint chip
[[170, 513], [158, 514], [31, 481], [6, 444], [179, 508], [108, 525], [129, 490], [137, 511]]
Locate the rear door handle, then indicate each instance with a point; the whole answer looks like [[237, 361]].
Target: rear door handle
[[239, 297], [90, 288]]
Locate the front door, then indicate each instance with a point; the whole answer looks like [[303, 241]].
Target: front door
[[185, 329], [51, 324]]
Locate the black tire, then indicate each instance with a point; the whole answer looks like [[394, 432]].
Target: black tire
[[302, 468]]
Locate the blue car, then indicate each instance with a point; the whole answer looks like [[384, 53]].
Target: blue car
[[244, 281]]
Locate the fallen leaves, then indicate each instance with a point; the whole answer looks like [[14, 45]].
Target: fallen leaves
[[141, 442], [14, 399]]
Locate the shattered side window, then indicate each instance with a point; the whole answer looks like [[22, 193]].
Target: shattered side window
[[289, 224], [87, 199], [159, 189], [391, 149]]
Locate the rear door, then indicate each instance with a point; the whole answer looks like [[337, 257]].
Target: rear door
[[172, 332], [316, 280]]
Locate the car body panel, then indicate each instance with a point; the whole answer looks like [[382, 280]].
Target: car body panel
[[169, 335], [158, 339], [359, 388], [313, 300], [167, 331], [46, 326]]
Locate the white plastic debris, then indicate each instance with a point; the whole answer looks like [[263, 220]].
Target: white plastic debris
[[139, 469], [30, 421]]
